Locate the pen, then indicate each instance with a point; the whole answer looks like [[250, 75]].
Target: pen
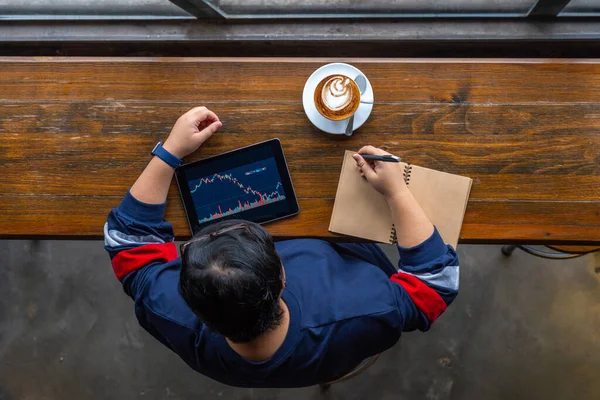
[[387, 157]]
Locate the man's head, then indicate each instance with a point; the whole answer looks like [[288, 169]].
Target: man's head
[[232, 277]]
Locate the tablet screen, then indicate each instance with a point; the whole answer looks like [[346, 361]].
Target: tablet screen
[[238, 189], [251, 183]]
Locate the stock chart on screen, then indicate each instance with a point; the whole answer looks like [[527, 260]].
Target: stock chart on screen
[[239, 189]]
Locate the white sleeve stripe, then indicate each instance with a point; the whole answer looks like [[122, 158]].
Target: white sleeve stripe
[[114, 238], [447, 278]]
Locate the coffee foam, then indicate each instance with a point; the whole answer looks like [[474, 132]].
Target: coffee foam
[[337, 92], [337, 97]]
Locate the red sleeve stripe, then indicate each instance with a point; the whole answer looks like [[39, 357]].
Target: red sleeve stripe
[[427, 300], [130, 260]]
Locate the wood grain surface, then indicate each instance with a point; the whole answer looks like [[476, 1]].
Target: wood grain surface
[[75, 134]]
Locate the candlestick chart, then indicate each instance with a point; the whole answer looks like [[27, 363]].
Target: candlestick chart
[[236, 190]]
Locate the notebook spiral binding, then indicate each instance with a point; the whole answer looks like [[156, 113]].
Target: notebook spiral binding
[[406, 174], [407, 171], [393, 236]]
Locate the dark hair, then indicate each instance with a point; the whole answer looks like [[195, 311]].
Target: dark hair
[[233, 280]]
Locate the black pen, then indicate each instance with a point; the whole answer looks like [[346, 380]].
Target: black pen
[[387, 157]]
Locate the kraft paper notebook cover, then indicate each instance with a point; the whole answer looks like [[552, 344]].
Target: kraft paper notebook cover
[[359, 210]]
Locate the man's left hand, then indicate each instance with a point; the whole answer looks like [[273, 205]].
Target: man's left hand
[[191, 130]]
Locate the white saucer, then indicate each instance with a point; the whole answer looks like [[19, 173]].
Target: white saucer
[[329, 126]]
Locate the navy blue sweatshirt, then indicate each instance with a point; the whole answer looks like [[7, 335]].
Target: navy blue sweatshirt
[[346, 301]]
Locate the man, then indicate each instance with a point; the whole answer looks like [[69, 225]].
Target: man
[[249, 312]]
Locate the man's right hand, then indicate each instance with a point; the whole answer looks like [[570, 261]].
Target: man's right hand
[[385, 177], [412, 225]]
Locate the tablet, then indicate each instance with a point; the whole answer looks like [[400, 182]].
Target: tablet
[[251, 183]]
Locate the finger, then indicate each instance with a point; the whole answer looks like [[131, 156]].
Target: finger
[[196, 109], [212, 128], [203, 124], [195, 112], [202, 113], [372, 150], [364, 166]]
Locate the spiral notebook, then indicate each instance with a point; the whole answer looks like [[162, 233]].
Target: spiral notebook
[[359, 210]]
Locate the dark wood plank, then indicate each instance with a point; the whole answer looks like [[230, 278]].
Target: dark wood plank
[[202, 80], [553, 158], [485, 222], [576, 249], [76, 133]]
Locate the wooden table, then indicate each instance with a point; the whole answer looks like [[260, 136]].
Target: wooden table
[[75, 133]]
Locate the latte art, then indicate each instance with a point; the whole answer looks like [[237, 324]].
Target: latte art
[[337, 92], [337, 97]]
